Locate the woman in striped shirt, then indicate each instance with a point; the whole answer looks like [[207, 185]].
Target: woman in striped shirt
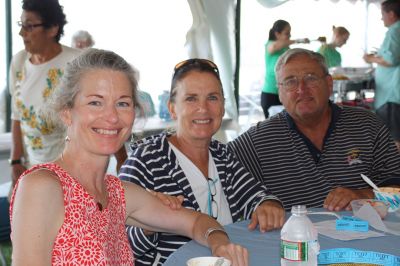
[[189, 162]]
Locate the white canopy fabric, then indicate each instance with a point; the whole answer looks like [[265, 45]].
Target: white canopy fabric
[[212, 36], [198, 38]]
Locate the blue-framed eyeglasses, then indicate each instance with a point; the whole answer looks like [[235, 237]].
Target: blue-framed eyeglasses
[[292, 83], [29, 27], [211, 203]]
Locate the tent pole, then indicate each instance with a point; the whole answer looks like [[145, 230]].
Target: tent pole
[[8, 60], [237, 53]]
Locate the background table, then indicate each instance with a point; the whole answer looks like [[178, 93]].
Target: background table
[[264, 248]]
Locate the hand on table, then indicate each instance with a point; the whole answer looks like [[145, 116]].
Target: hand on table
[[340, 198], [238, 255], [269, 215]]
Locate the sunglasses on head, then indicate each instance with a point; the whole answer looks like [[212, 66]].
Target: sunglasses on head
[[195, 62]]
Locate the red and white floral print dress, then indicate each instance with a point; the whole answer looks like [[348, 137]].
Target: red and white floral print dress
[[88, 235]]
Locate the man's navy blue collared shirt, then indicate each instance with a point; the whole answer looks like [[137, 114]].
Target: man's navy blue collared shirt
[[315, 152]]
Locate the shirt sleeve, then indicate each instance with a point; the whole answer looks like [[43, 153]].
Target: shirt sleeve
[[244, 150], [139, 242], [386, 157], [390, 51], [251, 191]]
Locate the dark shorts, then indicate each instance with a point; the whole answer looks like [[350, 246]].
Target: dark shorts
[[390, 114]]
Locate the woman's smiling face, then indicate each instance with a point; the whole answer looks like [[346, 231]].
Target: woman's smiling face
[[198, 106], [103, 113]]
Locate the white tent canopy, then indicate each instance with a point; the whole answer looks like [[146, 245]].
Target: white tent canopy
[[212, 36]]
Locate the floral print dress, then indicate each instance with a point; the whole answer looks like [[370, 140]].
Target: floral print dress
[[89, 236]]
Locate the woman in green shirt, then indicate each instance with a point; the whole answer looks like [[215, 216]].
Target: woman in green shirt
[[278, 42], [339, 38]]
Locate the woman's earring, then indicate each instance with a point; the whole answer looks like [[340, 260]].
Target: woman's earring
[[67, 139]]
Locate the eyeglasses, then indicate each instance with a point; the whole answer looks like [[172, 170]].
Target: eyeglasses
[[29, 27], [292, 83], [212, 204], [195, 61]]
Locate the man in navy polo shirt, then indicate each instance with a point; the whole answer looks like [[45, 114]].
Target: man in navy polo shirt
[[313, 152]]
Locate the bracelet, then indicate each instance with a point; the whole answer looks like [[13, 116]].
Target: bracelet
[[14, 162], [214, 229]]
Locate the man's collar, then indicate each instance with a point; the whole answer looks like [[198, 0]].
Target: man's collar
[[314, 151]]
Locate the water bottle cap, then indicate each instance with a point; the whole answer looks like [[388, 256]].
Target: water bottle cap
[[299, 209]]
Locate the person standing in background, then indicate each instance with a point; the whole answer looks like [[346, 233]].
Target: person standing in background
[[328, 50], [82, 39], [387, 73], [278, 42], [34, 74]]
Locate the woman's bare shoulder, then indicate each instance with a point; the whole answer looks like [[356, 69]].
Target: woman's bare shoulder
[[40, 182]]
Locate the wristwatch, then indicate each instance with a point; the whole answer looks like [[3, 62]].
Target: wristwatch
[[14, 162]]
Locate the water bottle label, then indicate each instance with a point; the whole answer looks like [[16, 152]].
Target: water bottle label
[[294, 251]]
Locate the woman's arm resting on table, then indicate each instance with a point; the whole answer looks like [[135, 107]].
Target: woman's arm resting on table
[[168, 200], [142, 240], [148, 212], [38, 213]]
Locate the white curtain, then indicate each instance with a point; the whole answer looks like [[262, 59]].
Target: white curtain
[[198, 38], [212, 36]]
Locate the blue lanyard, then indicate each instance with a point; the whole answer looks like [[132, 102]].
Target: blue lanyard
[[349, 255]]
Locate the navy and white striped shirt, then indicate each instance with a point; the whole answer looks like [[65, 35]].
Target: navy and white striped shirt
[[277, 154], [153, 165]]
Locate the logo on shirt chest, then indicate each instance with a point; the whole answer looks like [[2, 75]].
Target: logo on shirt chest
[[354, 157]]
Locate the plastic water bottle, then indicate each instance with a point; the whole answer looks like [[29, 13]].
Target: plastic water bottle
[[299, 239]]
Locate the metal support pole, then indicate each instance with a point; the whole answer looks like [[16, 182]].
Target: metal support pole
[[237, 53], [8, 60]]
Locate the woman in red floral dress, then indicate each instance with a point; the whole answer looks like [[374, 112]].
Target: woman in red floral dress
[[70, 212]]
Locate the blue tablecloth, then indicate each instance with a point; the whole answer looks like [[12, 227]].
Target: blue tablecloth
[[264, 248]]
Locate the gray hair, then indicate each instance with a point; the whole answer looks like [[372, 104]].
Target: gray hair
[[291, 53], [63, 97], [82, 35]]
